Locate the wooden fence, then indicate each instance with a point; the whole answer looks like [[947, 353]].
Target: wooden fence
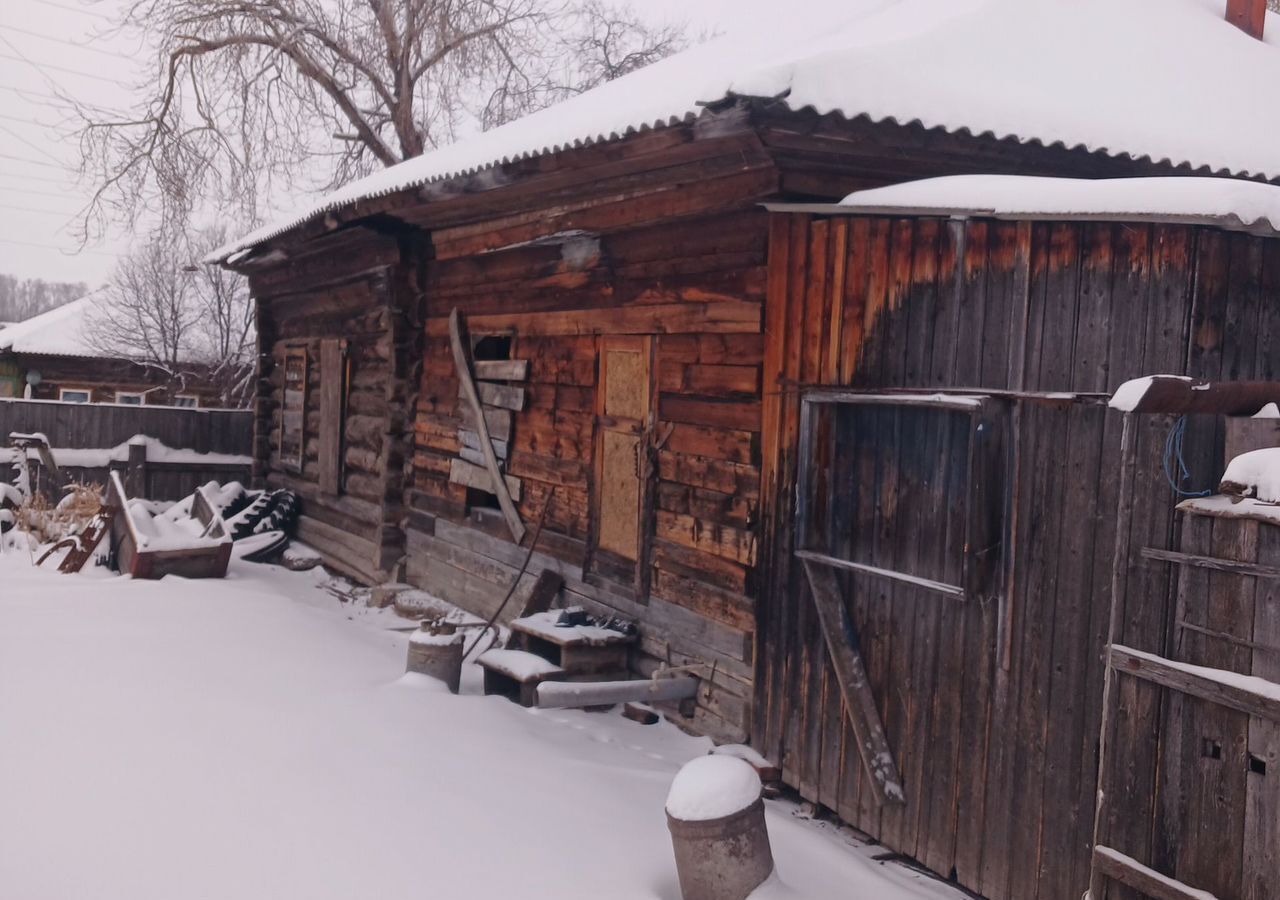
[[103, 425], [89, 440]]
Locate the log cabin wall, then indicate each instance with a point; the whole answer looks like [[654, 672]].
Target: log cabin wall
[[999, 761], [692, 290], [345, 310]]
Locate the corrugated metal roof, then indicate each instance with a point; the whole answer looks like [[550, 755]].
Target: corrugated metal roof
[[1230, 204], [1169, 81]]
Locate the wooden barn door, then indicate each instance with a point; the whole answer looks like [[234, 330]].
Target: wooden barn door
[[624, 410]]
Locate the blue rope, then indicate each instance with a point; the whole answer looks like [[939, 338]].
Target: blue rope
[[1172, 454]]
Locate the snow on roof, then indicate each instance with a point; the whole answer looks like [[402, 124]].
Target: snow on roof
[[58, 332], [1223, 202], [1165, 80]]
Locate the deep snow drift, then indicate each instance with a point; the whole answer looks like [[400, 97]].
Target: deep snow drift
[[256, 738]]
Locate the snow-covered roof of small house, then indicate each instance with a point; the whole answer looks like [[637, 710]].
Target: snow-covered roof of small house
[[1227, 203], [58, 332], [1166, 80]]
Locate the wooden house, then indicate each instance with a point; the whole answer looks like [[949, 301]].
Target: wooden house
[[645, 336], [51, 357]]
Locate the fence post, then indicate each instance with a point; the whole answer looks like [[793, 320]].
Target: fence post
[[135, 479]]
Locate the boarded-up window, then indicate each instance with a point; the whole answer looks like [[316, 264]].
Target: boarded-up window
[[293, 414], [624, 418], [908, 488], [333, 391]]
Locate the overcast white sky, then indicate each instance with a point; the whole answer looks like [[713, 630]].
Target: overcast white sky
[[48, 46]]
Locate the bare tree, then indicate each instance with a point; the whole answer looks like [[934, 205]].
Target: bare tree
[[225, 335], [148, 311], [189, 322], [246, 92]]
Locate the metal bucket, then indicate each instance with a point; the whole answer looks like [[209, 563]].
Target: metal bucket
[[722, 859]]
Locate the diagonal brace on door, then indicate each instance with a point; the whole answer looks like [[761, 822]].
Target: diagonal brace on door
[[851, 673]]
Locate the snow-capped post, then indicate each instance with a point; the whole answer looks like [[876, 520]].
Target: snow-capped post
[[716, 817], [435, 649], [135, 478]]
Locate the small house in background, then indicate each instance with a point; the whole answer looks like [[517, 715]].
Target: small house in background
[[54, 356], [757, 420]]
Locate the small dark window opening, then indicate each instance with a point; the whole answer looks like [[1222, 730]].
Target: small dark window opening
[[492, 346], [1257, 765], [478, 499], [1212, 749]]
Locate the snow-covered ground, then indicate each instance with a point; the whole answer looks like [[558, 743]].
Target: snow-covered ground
[[257, 738]]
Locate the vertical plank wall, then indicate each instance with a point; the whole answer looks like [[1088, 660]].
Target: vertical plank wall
[[1000, 764]]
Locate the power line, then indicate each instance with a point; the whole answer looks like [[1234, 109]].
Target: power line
[[45, 153], [21, 121], [97, 76], [58, 40], [45, 212], [5, 189], [56, 247], [78, 9], [24, 177], [20, 91], [33, 162]]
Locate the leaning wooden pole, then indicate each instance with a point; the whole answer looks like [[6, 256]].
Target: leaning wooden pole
[[462, 360], [1119, 574], [855, 689]]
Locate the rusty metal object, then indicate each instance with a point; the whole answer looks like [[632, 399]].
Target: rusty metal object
[[722, 859], [1171, 394]]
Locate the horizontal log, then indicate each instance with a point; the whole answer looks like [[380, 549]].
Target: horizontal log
[[471, 475], [661, 318], [717, 540], [694, 410], [571, 695]]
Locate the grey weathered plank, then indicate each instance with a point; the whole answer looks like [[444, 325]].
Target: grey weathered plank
[[833, 617]]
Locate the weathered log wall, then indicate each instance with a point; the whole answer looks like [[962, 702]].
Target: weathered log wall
[[697, 284], [350, 287], [999, 761]]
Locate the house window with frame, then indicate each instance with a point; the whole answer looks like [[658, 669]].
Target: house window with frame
[[187, 401], [74, 395], [904, 487], [130, 398]]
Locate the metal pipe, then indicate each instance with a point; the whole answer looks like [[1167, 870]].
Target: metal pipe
[[573, 694]]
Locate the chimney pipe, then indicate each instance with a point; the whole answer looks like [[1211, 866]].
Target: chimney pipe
[[1249, 16]]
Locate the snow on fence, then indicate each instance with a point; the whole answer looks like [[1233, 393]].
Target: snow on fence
[[179, 449]]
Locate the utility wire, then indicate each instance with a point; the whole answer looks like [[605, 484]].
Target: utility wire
[[24, 178], [97, 76], [56, 247], [42, 212], [45, 153], [76, 9], [5, 189], [58, 40], [33, 162], [26, 121]]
